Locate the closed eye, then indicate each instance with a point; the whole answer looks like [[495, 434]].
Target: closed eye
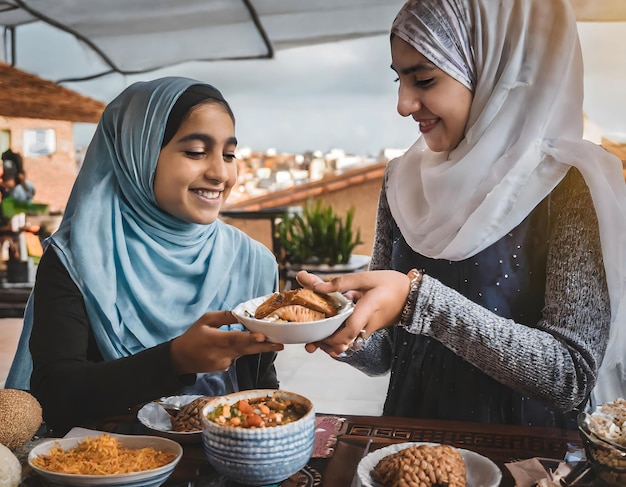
[[195, 154], [424, 83], [420, 83]]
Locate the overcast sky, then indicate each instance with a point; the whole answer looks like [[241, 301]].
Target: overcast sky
[[314, 98], [342, 95]]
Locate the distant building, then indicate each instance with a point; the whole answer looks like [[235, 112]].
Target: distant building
[[358, 187], [36, 120]]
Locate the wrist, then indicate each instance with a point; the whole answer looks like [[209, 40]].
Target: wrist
[[177, 358], [415, 278]]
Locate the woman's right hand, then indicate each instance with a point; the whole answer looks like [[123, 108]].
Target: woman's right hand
[[379, 299], [205, 348]]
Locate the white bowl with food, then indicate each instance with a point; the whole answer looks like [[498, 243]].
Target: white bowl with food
[[66, 461], [258, 437], [478, 471], [295, 316]]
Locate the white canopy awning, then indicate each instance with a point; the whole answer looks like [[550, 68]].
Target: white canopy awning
[[98, 37], [131, 36]]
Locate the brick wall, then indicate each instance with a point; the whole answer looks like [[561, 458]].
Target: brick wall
[[363, 195], [53, 175]]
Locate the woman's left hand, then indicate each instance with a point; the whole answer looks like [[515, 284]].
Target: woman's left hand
[[203, 347], [379, 299]]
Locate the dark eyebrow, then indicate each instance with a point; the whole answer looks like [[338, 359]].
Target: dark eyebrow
[[206, 139], [416, 68]]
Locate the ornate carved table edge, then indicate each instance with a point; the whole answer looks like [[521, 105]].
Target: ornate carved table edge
[[500, 443]]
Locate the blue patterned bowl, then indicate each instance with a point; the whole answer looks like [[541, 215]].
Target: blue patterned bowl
[[258, 456]]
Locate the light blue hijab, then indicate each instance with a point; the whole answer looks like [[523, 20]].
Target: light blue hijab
[[145, 275]]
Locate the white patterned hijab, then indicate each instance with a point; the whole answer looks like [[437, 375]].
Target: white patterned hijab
[[523, 63]]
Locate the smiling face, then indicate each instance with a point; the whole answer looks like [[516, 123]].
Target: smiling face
[[197, 169], [438, 102]]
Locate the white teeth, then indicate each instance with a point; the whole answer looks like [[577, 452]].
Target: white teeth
[[207, 194], [427, 123]]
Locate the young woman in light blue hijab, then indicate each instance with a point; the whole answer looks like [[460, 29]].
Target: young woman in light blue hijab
[[126, 304]]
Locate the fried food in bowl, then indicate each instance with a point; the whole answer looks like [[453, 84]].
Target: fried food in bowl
[[304, 305], [298, 316]]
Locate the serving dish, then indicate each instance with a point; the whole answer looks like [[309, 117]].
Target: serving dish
[[154, 417], [258, 456], [480, 471], [292, 332], [146, 478], [606, 457]]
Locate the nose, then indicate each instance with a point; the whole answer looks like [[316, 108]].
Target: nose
[[408, 101], [216, 169]]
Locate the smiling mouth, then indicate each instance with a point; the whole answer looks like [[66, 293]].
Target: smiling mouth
[[210, 195], [427, 125]]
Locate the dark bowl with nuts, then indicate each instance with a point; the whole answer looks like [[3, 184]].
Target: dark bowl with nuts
[[603, 435]]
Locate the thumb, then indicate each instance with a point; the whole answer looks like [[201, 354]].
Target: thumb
[[306, 279]]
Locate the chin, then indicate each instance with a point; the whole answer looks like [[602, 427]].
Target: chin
[[199, 219], [436, 148], [206, 221], [439, 146]]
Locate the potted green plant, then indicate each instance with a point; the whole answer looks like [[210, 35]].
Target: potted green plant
[[318, 236]]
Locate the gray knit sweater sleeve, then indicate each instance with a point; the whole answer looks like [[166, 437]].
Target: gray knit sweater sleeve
[[557, 360]]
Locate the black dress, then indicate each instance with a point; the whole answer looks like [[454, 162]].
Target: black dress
[[72, 381], [430, 381]]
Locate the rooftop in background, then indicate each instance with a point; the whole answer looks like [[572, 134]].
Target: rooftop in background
[[23, 95], [297, 194]]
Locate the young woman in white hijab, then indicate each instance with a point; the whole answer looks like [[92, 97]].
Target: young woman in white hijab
[[516, 223]]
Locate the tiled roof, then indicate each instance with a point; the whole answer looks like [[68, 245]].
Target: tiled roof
[[23, 95], [297, 194]]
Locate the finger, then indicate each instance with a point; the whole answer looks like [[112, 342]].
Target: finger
[[226, 364], [359, 341], [264, 347], [353, 296], [339, 342], [308, 280], [347, 334], [339, 284], [362, 318], [333, 350], [246, 343], [312, 347], [256, 337], [216, 319], [365, 281]]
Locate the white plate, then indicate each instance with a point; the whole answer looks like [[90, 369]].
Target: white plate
[[154, 417], [148, 478], [480, 471], [283, 332]]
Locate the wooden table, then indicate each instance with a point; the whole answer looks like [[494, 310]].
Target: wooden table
[[500, 443]]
